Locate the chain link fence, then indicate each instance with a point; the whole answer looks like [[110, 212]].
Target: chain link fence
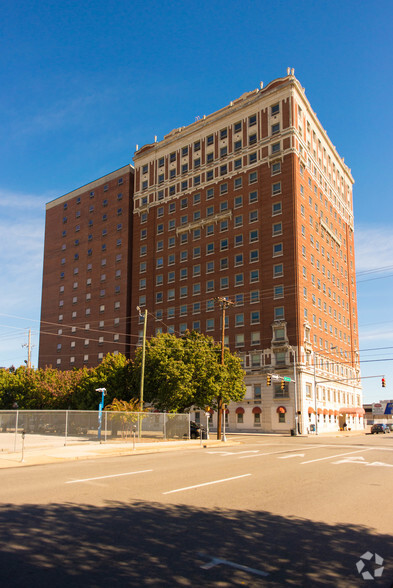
[[54, 428]]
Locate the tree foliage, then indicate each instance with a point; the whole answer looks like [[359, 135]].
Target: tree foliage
[[181, 372]]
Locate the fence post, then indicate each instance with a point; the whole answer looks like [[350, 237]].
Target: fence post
[[66, 429], [106, 420], [16, 428], [139, 428], [164, 425]]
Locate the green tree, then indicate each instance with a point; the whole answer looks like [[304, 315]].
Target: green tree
[[114, 373], [181, 372]]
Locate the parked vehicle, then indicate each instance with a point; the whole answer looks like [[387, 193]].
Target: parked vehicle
[[380, 428], [197, 430]]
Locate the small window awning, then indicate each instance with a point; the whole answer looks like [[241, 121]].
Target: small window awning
[[352, 410], [311, 410], [256, 410], [336, 413], [281, 410], [325, 411], [319, 411], [239, 410], [331, 412]]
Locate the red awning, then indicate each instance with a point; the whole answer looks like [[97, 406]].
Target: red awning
[[256, 410], [311, 410], [239, 410], [352, 410], [325, 411], [281, 409], [331, 412], [319, 411], [225, 410], [336, 413], [211, 411]]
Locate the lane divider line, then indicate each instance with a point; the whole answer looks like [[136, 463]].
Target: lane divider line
[[110, 476], [207, 484]]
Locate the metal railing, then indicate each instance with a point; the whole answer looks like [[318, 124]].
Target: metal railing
[[51, 428]]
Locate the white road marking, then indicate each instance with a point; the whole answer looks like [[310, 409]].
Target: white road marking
[[338, 455], [283, 451], [216, 561], [233, 452], [206, 484], [358, 459], [110, 476], [361, 461], [293, 455]]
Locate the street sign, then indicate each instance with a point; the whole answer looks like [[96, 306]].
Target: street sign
[[286, 379]]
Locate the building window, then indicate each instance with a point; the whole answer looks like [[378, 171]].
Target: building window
[[276, 168], [238, 240], [252, 120], [253, 177], [278, 292], [276, 208], [277, 229], [279, 313], [278, 270], [275, 128], [276, 188]]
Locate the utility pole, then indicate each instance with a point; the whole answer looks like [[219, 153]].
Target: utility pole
[[28, 345], [143, 356], [224, 304]]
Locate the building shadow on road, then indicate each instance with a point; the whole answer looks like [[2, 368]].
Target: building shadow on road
[[151, 544]]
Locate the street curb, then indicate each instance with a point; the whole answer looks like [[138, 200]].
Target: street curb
[[104, 452]]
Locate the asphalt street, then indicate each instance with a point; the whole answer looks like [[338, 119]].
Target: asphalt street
[[270, 511]]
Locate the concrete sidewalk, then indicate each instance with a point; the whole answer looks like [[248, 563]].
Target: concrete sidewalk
[[93, 450]]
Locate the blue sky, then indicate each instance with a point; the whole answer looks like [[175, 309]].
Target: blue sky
[[83, 83]]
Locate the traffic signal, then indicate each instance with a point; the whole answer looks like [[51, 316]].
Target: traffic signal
[[282, 385], [383, 383], [269, 380]]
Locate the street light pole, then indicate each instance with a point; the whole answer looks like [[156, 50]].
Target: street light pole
[[294, 351], [224, 302], [100, 408], [315, 392]]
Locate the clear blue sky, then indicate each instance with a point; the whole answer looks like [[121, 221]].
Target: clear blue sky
[[83, 82]]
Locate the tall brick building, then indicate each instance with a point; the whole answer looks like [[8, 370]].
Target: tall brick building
[[87, 273], [254, 204]]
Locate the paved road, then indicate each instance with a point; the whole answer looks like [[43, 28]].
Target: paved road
[[274, 511]]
